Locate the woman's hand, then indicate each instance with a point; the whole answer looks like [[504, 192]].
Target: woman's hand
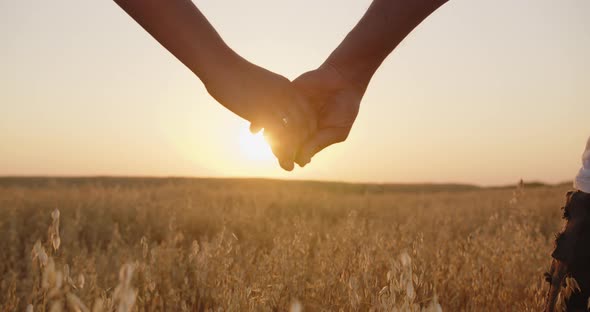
[[267, 100], [335, 101]]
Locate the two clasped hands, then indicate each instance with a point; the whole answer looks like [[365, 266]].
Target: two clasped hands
[[302, 117], [299, 118]]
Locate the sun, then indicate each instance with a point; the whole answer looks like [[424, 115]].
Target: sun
[[254, 146]]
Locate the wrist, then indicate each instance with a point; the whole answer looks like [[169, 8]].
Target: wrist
[[356, 69], [218, 68], [354, 76]]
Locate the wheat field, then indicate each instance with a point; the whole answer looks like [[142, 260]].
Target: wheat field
[[264, 245]]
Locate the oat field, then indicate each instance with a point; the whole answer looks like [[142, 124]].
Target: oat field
[[263, 245]]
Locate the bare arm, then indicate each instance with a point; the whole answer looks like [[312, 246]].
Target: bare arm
[[337, 87], [184, 31], [254, 93], [385, 24]]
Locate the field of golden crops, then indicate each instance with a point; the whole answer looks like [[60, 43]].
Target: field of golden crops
[[263, 245]]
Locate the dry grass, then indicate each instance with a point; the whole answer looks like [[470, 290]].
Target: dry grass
[[199, 245]]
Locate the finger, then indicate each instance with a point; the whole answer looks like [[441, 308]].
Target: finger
[[286, 137], [280, 148], [288, 126], [318, 142], [289, 139], [255, 128], [285, 153], [287, 164]]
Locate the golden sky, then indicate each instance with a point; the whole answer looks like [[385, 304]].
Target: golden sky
[[483, 92]]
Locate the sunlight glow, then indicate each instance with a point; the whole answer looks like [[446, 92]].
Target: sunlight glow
[[254, 146]]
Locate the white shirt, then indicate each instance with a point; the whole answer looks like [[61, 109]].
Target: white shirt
[[582, 181]]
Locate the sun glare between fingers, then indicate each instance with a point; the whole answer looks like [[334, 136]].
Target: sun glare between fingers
[[254, 146]]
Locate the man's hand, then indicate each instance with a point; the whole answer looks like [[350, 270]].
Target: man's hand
[[336, 88], [335, 101], [267, 100]]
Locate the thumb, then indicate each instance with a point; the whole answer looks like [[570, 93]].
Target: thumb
[[284, 153], [318, 142]]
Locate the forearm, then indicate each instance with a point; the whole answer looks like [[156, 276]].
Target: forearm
[[182, 29], [385, 24]]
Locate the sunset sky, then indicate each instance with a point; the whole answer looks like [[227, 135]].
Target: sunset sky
[[483, 92]]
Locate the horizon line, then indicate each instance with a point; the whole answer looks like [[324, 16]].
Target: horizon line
[[162, 177]]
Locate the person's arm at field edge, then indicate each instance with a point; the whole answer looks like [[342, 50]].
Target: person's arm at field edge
[[338, 85], [255, 94]]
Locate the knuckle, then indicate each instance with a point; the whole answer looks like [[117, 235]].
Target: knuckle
[[342, 135]]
